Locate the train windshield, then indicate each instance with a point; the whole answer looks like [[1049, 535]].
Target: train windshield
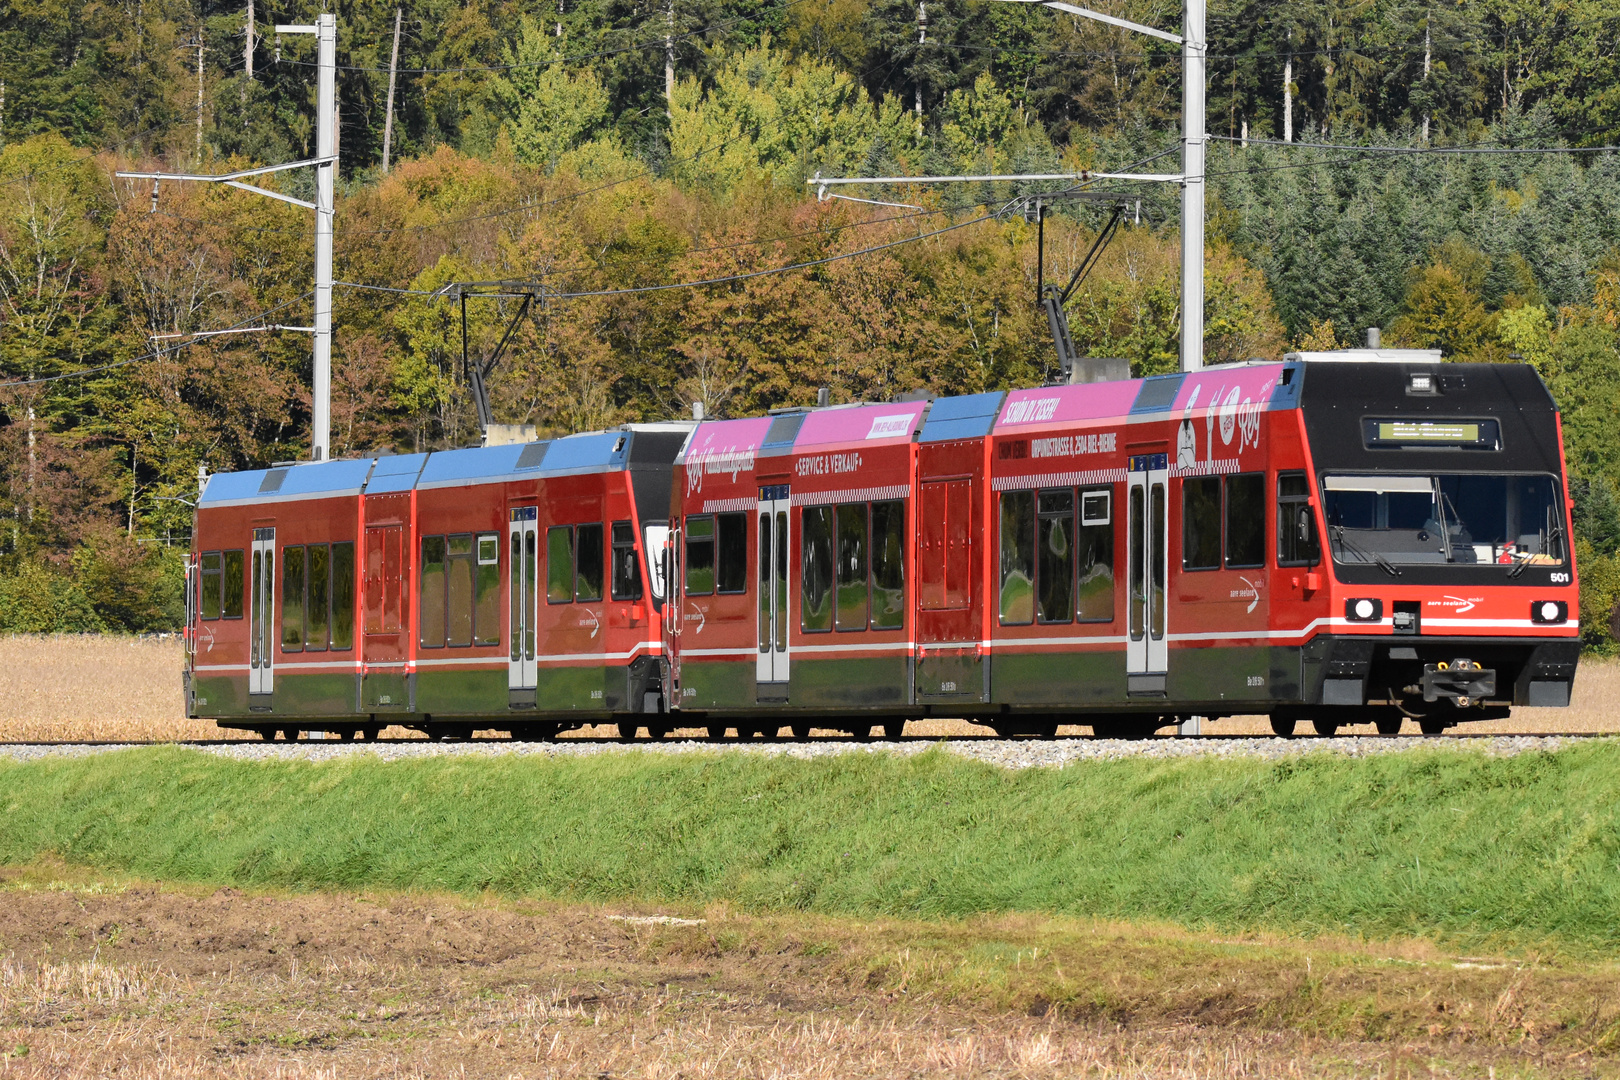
[[1388, 521]]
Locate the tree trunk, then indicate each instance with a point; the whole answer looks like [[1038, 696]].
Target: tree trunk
[[1427, 57], [247, 53], [669, 58], [1288, 95], [922, 38]]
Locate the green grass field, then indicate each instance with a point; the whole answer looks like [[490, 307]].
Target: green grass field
[[1517, 853]]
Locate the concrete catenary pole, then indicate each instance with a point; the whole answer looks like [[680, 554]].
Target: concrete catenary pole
[[325, 183], [1193, 53], [393, 70]]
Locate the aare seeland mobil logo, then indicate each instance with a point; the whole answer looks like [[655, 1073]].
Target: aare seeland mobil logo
[[1251, 593], [1458, 605], [716, 462]]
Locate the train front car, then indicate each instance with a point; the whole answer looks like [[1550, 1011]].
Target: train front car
[[1438, 508]]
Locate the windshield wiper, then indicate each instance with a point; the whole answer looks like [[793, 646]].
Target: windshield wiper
[[1374, 557], [1557, 533]]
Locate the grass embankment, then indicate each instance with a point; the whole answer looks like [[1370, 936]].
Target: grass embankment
[[1519, 852]]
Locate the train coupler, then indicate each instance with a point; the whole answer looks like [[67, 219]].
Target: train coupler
[[1463, 682]]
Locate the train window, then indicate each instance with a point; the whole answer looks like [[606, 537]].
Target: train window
[[317, 615], [588, 579], [1138, 602], [853, 583], [211, 565], [1017, 558], [1297, 544], [888, 565], [1201, 523], [1246, 520], [231, 585], [626, 570], [731, 560], [560, 564], [815, 609], [1054, 545], [487, 591], [292, 599], [432, 614], [1094, 557], [699, 556], [343, 595], [1157, 521], [458, 574]]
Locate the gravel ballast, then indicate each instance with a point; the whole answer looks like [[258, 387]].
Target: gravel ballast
[[1007, 753]]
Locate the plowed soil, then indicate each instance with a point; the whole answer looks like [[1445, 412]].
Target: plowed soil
[[103, 978]]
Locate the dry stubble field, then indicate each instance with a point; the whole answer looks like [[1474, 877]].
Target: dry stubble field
[[112, 689], [135, 979]]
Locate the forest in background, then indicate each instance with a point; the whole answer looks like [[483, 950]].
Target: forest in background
[[608, 149]]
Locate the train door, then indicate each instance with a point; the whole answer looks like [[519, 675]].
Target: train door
[[523, 558], [771, 670], [1148, 523], [261, 613], [673, 583], [385, 604], [950, 658]]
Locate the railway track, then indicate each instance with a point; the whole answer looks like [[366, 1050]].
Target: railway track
[[1009, 753]]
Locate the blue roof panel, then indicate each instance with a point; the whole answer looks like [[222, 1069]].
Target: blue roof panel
[[967, 417], [583, 453], [326, 476], [475, 463], [232, 486], [396, 473], [309, 479]]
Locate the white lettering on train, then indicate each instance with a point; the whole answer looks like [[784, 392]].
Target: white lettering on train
[[1030, 410], [824, 464], [729, 461], [888, 427], [1100, 442]]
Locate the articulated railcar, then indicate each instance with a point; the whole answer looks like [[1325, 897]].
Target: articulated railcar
[[498, 587], [1336, 539]]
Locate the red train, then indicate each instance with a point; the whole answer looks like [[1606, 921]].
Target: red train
[[1339, 540]]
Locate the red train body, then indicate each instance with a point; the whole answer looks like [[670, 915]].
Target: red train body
[[1341, 541]]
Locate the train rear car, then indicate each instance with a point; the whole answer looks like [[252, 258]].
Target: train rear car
[[502, 588]]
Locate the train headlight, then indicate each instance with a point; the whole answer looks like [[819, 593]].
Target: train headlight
[[1549, 611], [1364, 610]]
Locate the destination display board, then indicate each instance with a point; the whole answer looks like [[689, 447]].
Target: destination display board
[[1441, 434]]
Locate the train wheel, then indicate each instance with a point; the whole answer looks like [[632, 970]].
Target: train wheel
[[801, 731], [268, 734], [1388, 725], [657, 731], [373, 734], [716, 732], [893, 729], [1325, 728], [347, 734], [290, 734], [627, 730], [862, 733], [435, 733], [1432, 726], [1048, 730], [1282, 725]]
